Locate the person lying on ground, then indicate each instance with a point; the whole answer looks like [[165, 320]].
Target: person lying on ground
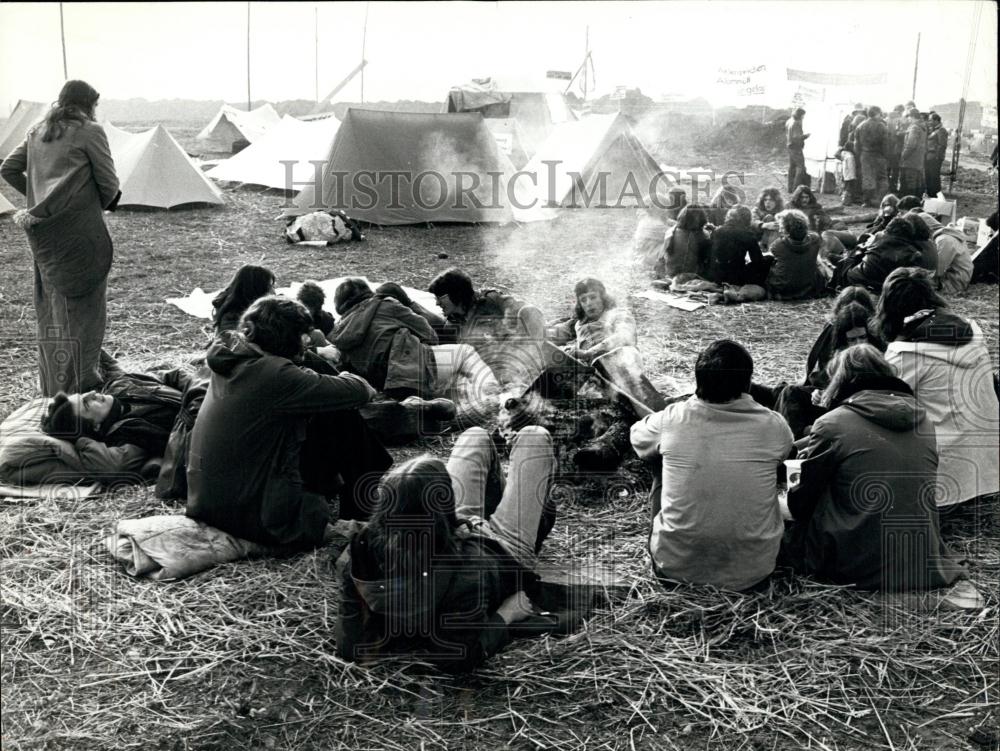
[[312, 296], [895, 248], [954, 262], [688, 246], [603, 334], [383, 338], [443, 573], [769, 205], [129, 415], [507, 333], [944, 360], [273, 441], [249, 283], [716, 518], [735, 257], [871, 461], [794, 273]]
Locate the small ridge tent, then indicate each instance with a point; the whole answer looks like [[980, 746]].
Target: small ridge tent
[[408, 168], [13, 131], [154, 170], [579, 156], [291, 140], [231, 125]]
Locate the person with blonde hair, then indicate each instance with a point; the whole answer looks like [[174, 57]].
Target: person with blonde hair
[[863, 504]]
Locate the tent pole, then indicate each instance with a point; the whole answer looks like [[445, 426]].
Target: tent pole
[[316, 48], [916, 61], [249, 105], [970, 56], [586, 54], [62, 35], [364, 41]]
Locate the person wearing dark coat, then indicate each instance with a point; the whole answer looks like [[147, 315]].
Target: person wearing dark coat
[[273, 441], [913, 156], [895, 247], [794, 274], [896, 131], [444, 572], [735, 257], [825, 346], [384, 341], [312, 296], [803, 199], [937, 149], [130, 412], [863, 505], [248, 284], [887, 211], [871, 139], [688, 247]]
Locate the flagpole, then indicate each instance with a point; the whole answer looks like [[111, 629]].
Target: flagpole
[[916, 62], [249, 101], [62, 35], [970, 56]]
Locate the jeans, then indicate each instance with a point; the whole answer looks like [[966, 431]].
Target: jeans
[[509, 511]]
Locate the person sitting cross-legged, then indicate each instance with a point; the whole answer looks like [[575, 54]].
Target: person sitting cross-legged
[[273, 440], [716, 515], [863, 505]]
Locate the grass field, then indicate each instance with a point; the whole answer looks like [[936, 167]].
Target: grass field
[[241, 656]]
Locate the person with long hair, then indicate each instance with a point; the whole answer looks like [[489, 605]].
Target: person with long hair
[[944, 360], [444, 571], [863, 505], [688, 246], [769, 205], [248, 284], [826, 345], [65, 171]]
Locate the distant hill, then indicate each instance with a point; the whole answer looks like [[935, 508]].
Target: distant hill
[[195, 111]]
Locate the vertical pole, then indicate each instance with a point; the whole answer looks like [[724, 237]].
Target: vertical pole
[[916, 62], [249, 105], [364, 41], [586, 55], [62, 35], [316, 47], [970, 56]]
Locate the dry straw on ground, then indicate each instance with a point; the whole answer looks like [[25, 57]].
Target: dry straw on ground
[[242, 657]]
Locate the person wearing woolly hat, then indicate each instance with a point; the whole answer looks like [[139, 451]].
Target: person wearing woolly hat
[[954, 262]]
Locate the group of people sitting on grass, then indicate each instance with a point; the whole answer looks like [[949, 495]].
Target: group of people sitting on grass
[[895, 418], [795, 251]]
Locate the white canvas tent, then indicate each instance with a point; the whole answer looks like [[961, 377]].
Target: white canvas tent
[[510, 140], [291, 140], [154, 170], [231, 125], [25, 115], [590, 151], [6, 206]]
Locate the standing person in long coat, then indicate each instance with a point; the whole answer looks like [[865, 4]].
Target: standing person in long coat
[[65, 170], [911, 163], [795, 140], [871, 138], [937, 148]]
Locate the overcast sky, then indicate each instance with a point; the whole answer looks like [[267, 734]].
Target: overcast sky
[[419, 50]]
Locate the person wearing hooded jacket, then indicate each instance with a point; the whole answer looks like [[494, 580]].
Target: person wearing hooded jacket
[[954, 262], [944, 359], [273, 440], [859, 505]]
